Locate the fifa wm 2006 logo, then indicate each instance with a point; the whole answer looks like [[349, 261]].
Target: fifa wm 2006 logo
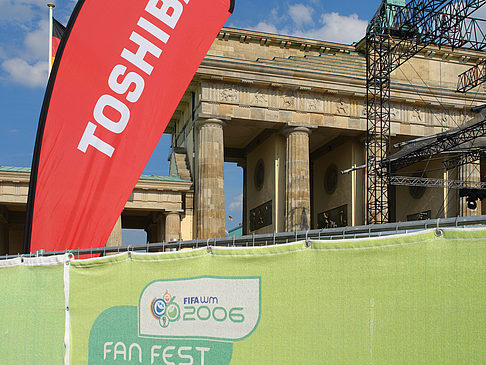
[[200, 307], [165, 309]]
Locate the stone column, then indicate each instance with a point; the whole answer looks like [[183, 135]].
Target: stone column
[[210, 179], [172, 227], [115, 238], [297, 181]]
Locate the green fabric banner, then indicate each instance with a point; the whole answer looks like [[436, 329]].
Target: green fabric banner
[[414, 299], [32, 315]]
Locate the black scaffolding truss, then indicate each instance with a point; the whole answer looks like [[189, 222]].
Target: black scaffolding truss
[[395, 34]]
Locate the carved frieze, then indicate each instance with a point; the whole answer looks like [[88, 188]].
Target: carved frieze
[[416, 115], [288, 100], [304, 100], [395, 112], [229, 95], [342, 106], [259, 97]]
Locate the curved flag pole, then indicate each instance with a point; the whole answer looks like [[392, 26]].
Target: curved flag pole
[[114, 85]]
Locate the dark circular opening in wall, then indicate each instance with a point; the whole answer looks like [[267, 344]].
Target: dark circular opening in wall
[[331, 179], [259, 174]]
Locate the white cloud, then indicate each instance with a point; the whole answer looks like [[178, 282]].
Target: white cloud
[[301, 14], [237, 203], [299, 21], [265, 27], [24, 73], [19, 12], [27, 64], [337, 28], [36, 43]]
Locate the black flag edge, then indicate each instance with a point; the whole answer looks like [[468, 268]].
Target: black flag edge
[[40, 130], [29, 213]]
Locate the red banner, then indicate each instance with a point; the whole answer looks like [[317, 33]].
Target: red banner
[[121, 70]]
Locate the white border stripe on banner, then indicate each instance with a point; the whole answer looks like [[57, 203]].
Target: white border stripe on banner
[[36, 261], [67, 323]]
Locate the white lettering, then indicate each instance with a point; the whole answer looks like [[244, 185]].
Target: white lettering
[[101, 118], [166, 356], [152, 29], [153, 354], [106, 350], [183, 356], [132, 84], [202, 350], [123, 350], [122, 88], [137, 59], [137, 346], [89, 139], [169, 12]]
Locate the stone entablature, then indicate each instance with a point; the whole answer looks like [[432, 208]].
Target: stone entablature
[[162, 206], [152, 193], [320, 109], [256, 76]]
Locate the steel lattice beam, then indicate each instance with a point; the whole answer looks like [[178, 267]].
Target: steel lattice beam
[[443, 143], [464, 159], [429, 182], [394, 35], [471, 78]]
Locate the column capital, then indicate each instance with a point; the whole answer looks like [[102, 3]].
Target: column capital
[[209, 121], [288, 130], [174, 212]]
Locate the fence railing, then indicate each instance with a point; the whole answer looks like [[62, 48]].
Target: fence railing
[[365, 231]]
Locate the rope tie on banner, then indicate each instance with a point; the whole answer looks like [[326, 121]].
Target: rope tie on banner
[[438, 231], [129, 249]]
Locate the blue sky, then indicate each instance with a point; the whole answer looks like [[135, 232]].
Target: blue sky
[[24, 54]]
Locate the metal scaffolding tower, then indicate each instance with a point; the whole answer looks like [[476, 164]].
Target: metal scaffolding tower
[[396, 33]]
